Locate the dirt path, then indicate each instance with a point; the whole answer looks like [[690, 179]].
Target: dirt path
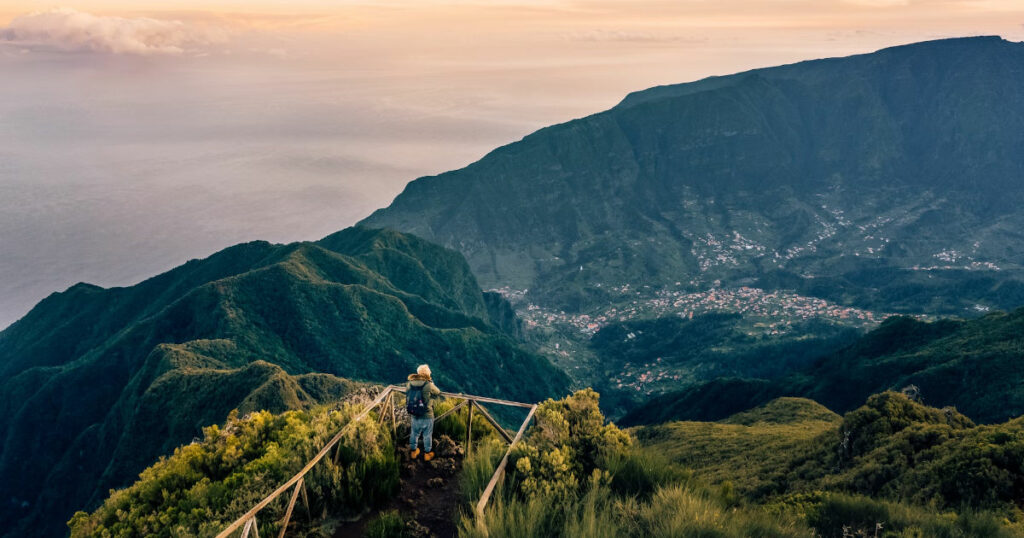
[[428, 497]]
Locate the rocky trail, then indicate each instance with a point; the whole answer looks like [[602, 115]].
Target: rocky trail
[[428, 497]]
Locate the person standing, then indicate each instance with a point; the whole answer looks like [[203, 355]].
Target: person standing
[[419, 391]]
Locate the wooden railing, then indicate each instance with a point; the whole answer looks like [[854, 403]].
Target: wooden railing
[[386, 402]]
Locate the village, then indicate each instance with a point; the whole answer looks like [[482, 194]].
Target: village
[[778, 310], [564, 337]]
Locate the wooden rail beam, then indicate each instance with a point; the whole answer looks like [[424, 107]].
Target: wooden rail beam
[[450, 411], [460, 396], [499, 472], [251, 514], [504, 434], [385, 402]]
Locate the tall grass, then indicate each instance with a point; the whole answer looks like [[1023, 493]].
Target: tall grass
[[671, 512], [678, 511], [478, 468], [640, 472], [645, 495], [836, 515], [513, 518], [594, 514]]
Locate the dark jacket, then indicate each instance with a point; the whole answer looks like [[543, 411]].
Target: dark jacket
[[429, 390]]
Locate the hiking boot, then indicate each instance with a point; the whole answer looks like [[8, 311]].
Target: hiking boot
[[428, 456], [415, 454]]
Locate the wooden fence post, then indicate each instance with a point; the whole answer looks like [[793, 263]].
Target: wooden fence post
[[394, 427], [469, 428], [291, 506], [305, 501], [253, 526]]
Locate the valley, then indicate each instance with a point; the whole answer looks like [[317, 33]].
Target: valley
[[765, 318]]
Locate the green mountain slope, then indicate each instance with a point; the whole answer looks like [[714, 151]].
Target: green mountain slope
[[746, 448], [97, 383], [973, 365], [889, 181], [890, 448]]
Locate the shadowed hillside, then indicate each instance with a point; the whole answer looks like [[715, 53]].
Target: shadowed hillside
[[889, 181], [973, 365]]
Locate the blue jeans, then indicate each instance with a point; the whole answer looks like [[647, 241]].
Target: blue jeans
[[421, 425]]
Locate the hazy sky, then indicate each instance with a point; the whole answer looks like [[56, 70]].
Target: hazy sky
[[132, 140]]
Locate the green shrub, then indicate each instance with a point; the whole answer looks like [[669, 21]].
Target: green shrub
[[565, 446], [204, 486]]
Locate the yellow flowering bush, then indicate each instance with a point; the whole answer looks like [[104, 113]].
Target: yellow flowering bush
[[564, 449]]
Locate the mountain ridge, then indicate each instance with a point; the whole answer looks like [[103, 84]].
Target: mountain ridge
[[256, 326], [713, 82]]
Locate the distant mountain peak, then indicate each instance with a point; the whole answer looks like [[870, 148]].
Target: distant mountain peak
[[904, 162], [972, 44]]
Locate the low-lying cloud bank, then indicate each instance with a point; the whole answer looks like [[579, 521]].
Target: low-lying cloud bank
[[69, 30]]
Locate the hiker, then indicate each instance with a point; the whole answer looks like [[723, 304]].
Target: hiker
[[418, 393]]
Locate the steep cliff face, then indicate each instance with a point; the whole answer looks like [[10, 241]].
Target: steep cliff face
[[97, 383], [888, 177]]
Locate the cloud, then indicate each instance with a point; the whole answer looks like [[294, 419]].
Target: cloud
[[68, 30]]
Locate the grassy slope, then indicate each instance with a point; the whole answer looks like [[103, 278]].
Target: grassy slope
[[891, 448], [745, 449], [633, 490]]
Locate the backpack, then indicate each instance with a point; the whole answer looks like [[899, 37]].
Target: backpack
[[415, 403]]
